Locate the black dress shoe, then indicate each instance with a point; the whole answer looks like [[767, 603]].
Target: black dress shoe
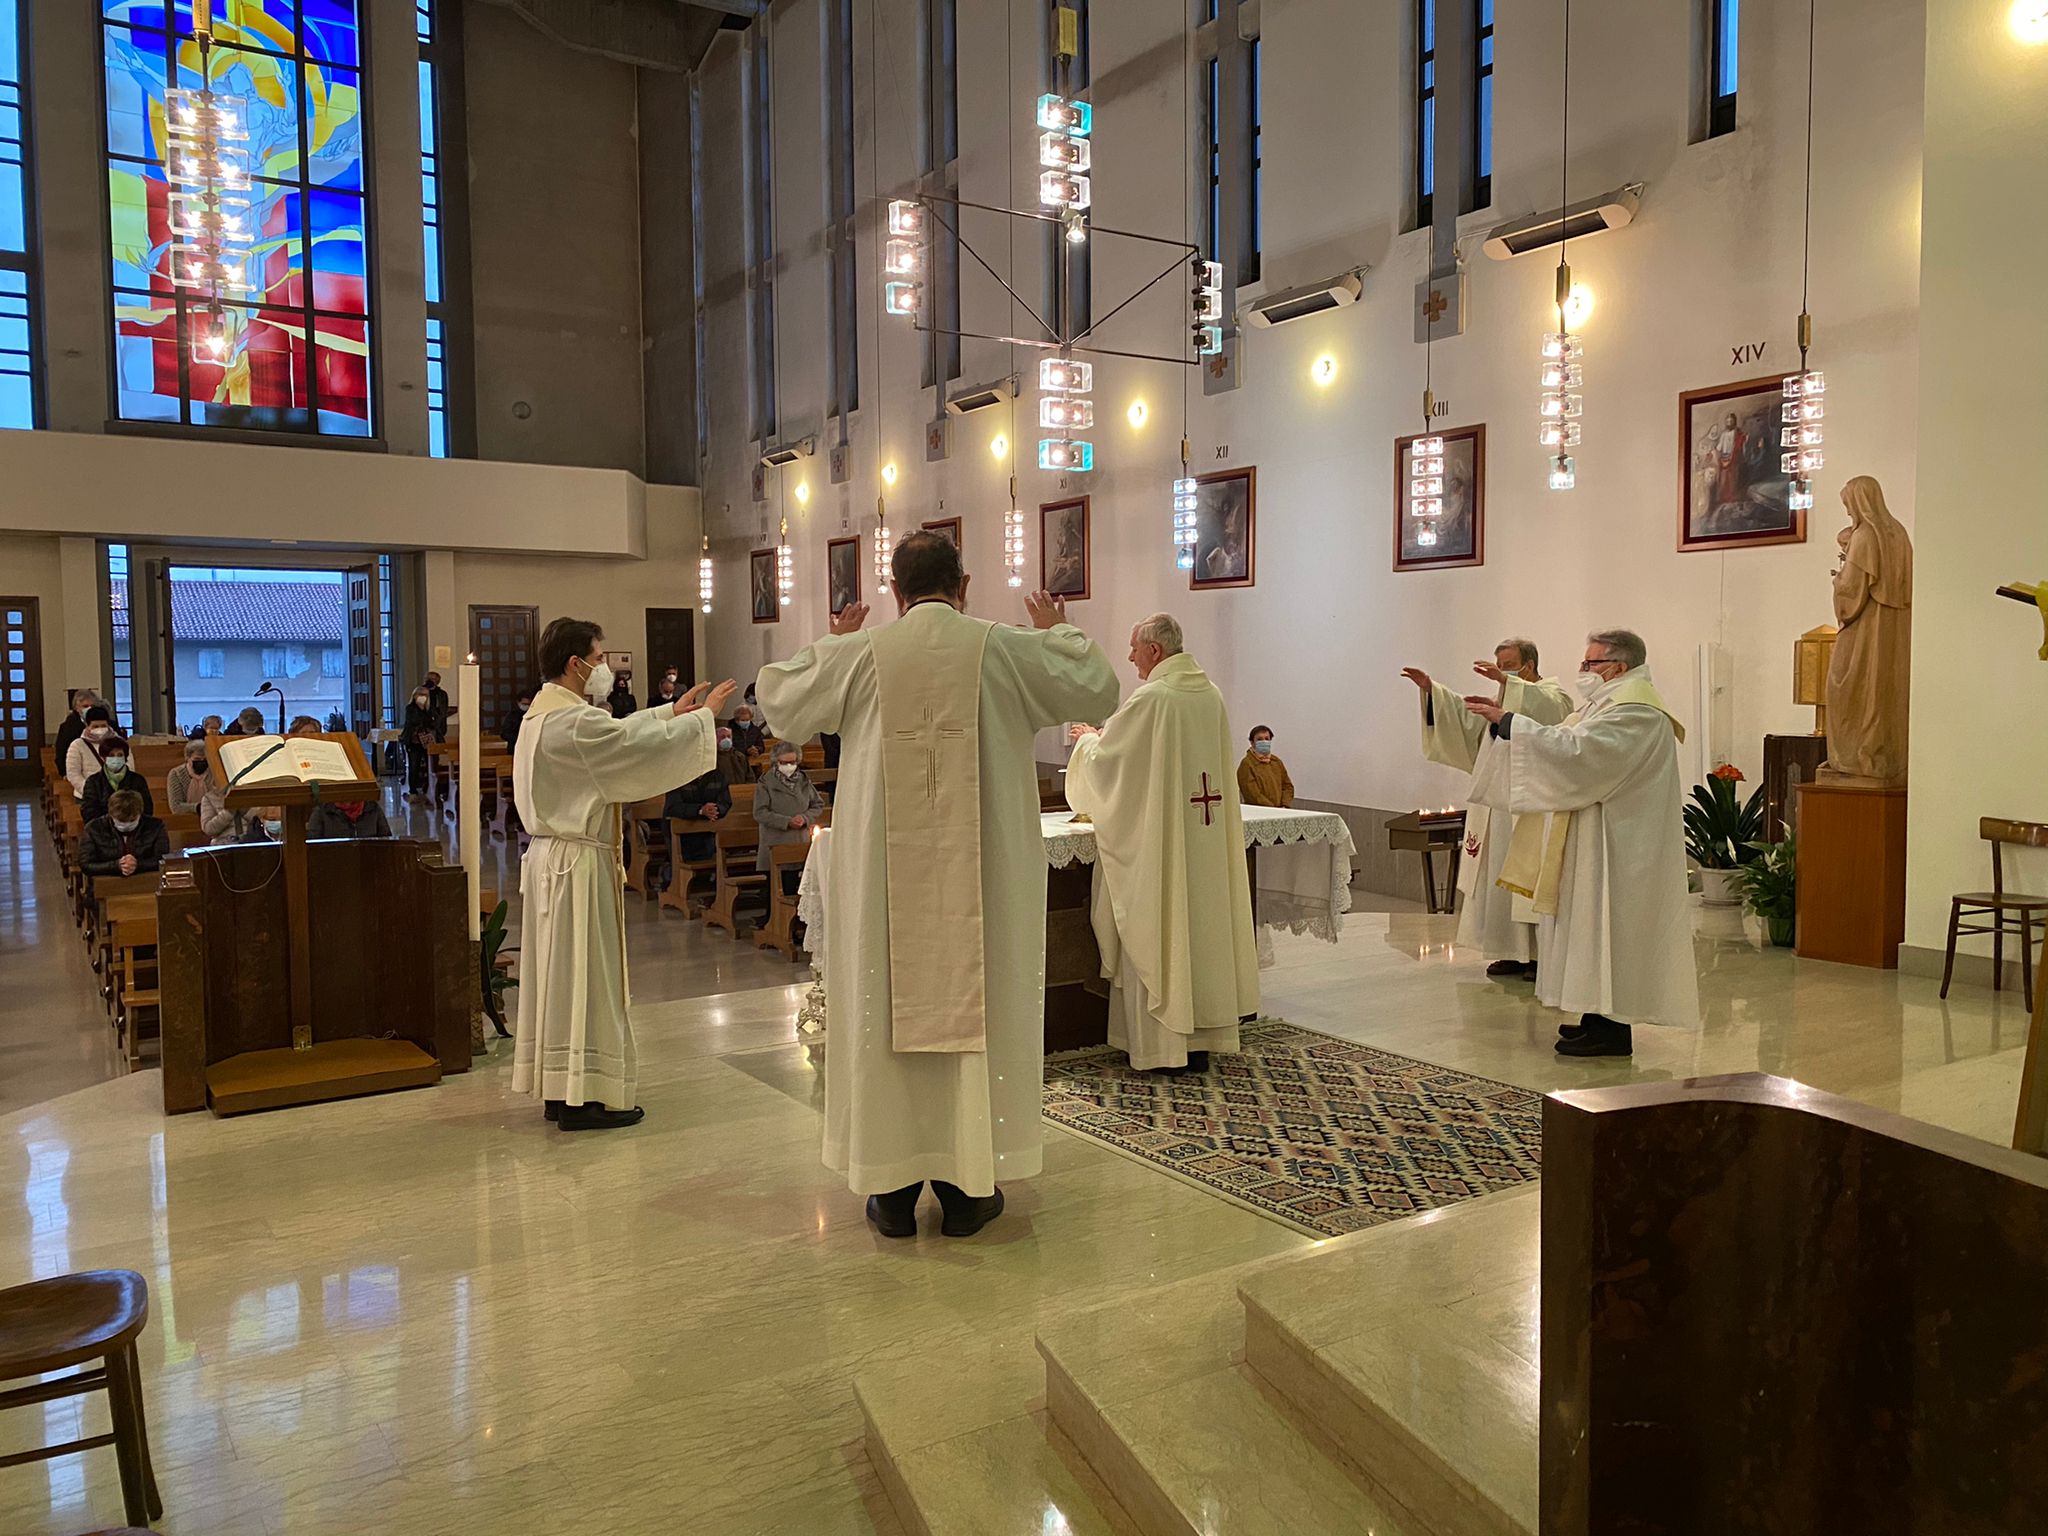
[[966, 1214], [1597, 1036], [596, 1117], [895, 1214], [1198, 1061]]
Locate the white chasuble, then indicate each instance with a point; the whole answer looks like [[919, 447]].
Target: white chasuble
[[572, 768], [928, 687], [970, 1117], [1172, 905], [1614, 930], [1492, 919]]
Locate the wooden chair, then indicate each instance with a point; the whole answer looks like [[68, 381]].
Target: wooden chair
[[2008, 911], [74, 1320], [778, 929], [738, 880]]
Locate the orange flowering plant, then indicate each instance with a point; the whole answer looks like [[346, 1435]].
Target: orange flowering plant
[[1722, 831]]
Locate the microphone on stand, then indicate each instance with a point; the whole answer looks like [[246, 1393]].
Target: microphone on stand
[[270, 687]]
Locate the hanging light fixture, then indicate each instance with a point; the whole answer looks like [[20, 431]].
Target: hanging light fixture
[[1801, 432], [207, 171], [885, 545], [1560, 405], [1184, 514], [785, 566], [1426, 453], [1064, 406], [705, 578], [1013, 538]]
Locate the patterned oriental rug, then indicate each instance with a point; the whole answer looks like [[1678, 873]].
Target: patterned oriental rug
[[1322, 1134]]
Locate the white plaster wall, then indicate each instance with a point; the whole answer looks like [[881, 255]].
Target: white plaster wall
[[1980, 731], [1315, 648]]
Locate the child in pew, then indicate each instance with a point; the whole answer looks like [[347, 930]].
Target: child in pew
[[127, 840]]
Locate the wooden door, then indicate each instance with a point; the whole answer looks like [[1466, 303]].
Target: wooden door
[[503, 641], [671, 642], [21, 691], [362, 661]]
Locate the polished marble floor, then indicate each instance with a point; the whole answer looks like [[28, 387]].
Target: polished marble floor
[[430, 1312]]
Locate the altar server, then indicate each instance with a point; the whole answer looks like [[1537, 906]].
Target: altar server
[[934, 1049], [1606, 872], [1494, 921], [1172, 906], [573, 767]]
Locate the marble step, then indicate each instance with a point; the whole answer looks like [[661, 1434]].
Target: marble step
[[1414, 1348], [963, 1444], [1189, 1441]]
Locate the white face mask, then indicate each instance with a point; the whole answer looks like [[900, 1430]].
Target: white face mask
[[1591, 682], [600, 683], [788, 770], [126, 826], [96, 732]]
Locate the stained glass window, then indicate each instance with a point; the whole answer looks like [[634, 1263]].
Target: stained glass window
[[299, 350], [17, 271], [430, 216]]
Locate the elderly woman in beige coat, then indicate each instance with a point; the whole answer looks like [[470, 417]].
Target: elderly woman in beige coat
[[787, 805]]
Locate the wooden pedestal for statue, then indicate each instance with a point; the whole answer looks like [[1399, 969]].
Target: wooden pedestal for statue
[[297, 972], [1768, 1309], [1852, 873]]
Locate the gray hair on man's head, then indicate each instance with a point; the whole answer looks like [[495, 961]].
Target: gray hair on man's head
[[1525, 651], [1622, 645], [1162, 630], [787, 749]]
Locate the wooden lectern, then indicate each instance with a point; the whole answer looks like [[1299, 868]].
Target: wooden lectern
[[349, 974]]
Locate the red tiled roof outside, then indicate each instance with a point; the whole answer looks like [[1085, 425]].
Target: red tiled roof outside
[[249, 611]]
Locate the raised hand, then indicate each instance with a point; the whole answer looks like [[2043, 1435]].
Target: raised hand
[[849, 619], [1045, 609], [1489, 671], [1076, 732], [1487, 709], [708, 696], [1418, 677]]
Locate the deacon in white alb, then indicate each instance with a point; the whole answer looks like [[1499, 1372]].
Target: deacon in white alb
[[572, 768], [1606, 871], [934, 1056], [1172, 907], [1495, 921]]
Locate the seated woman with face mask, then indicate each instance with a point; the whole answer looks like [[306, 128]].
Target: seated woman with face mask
[[114, 775], [125, 841], [1262, 778], [82, 757], [787, 806], [185, 785]]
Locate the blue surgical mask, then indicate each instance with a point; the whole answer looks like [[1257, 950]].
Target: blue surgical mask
[[116, 763], [274, 828], [1263, 748]]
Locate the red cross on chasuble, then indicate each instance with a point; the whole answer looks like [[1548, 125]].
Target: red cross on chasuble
[[928, 687], [1206, 799]]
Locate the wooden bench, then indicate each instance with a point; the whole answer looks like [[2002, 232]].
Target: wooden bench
[[683, 872], [131, 929], [738, 881], [778, 930]]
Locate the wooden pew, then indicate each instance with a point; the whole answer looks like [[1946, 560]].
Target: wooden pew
[[131, 968], [778, 930], [738, 881], [640, 863], [683, 872]]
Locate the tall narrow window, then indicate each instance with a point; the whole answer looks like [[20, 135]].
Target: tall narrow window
[[1069, 268], [939, 161], [843, 389], [18, 361], [1256, 178], [297, 343], [760, 231], [1212, 118], [1727, 26], [701, 386], [120, 636], [387, 659], [1425, 111], [430, 216], [1481, 192]]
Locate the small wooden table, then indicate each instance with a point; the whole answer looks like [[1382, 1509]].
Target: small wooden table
[[1410, 833]]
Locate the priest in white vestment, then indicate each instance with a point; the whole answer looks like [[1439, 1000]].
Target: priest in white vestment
[[1172, 903], [572, 768], [1599, 849], [1494, 921], [935, 976]]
